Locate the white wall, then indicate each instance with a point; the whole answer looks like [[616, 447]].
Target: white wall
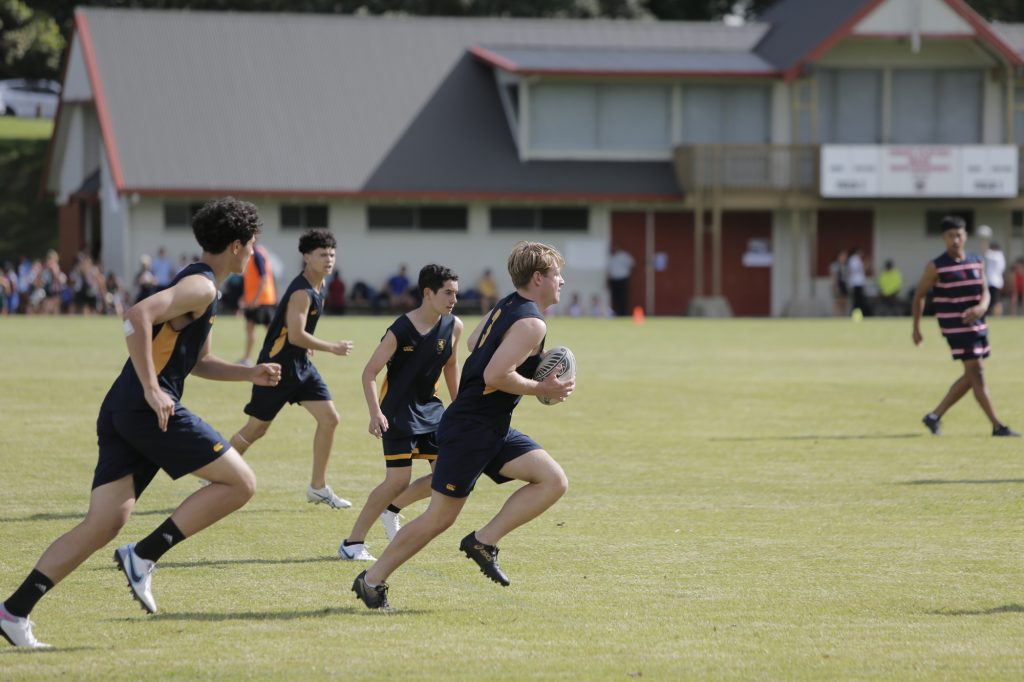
[[374, 256]]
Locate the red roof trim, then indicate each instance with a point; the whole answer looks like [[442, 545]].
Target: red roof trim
[[829, 42], [102, 111], [505, 64], [984, 31], [979, 25], [493, 58], [408, 195]]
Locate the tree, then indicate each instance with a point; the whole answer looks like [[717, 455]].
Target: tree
[[30, 42]]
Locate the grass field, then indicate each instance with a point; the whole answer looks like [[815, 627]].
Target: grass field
[[12, 127], [748, 500]]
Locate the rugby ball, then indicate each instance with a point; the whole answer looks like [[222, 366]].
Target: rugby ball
[[549, 361]]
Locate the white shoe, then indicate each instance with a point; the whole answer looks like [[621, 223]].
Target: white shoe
[[18, 631], [392, 524], [355, 553], [139, 572], [326, 496]]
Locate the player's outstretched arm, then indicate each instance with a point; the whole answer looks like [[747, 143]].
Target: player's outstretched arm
[[521, 341], [451, 368], [928, 279], [177, 306], [295, 319], [385, 349], [209, 366]]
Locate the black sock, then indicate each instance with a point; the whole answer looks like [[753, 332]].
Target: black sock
[[24, 599], [349, 543], [393, 509], [153, 546]]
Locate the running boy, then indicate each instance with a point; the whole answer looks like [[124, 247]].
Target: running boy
[[417, 348], [961, 299], [475, 437], [289, 342], [143, 427]]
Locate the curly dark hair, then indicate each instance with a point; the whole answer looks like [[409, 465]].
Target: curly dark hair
[[221, 221], [434, 276], [315, 239]]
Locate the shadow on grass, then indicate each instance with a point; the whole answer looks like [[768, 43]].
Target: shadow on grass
[[1009, 608], [77, 516], [862, 436], [358, 610], [961, 481], [43, 652]]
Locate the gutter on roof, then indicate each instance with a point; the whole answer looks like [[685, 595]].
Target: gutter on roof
[[411, 194]]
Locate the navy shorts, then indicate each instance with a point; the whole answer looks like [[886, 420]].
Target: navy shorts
[[401, 451], [261, 315], [468, 449], [131, 442], [267, 401], [969, 348]]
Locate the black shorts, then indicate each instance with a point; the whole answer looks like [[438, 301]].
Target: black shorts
[[467, 449], [131, 442], [400, 452], [267, 401], [970, 348], [261, 314]]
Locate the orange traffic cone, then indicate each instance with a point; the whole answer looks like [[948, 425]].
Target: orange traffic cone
[[638, 315]]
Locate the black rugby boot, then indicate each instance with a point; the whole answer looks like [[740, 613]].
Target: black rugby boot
[[486, 556]]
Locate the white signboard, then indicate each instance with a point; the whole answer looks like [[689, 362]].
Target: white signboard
[[867, 171]]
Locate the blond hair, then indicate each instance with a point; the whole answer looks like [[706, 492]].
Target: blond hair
[[530, 257]]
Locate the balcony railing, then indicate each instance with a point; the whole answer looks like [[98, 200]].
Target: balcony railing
[[748, 168]]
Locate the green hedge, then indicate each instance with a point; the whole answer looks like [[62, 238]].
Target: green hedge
[[28, 218]]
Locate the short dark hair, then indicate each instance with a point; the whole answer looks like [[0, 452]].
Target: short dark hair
[[315, 239], [221, 221], [952, 222], [434, 276]]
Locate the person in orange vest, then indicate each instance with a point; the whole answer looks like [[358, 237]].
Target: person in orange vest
[[259, 298]]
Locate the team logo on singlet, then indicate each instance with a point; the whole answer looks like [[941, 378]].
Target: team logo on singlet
[[407, 349], [440, 346]]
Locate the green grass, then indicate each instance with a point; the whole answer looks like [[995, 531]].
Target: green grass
[[748, 499], [14, 128]]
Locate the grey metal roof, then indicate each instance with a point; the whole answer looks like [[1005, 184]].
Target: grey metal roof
[[314, 103], [629, 61], [799, 26]]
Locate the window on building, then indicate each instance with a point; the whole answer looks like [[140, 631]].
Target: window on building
[[595, 118], [178, 214], [850, 106], [303, 216], [936, 107], [721, 114], [934, 217], [417, 218], [516, 218]]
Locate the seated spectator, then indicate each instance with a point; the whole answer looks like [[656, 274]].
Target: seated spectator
[[890, 283], [145, 281], [598, 308], [575, 307], [364, 296], [488, 290], [397, 287], [336, 295]]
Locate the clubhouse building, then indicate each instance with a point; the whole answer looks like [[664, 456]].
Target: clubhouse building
[[732, 162]]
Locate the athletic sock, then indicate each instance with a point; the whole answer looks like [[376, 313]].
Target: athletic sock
[[393, 509], [349, 543], [24, 599], [153, 546]]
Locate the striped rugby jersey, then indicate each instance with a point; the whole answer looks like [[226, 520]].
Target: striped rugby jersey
[[959, 287]]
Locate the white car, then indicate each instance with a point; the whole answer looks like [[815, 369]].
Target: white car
[[28, 97]]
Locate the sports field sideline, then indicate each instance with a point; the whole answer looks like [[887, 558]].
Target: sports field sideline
[[750, 499]]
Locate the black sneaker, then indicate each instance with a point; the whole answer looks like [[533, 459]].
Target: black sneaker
[[373, 597], [932, 422], [486, 556], [1005, 430]]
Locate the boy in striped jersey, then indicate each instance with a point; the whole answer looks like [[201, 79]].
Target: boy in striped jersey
[[961, 298]]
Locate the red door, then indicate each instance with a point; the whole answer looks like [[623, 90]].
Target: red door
[[843, 229], [629, 230], [673, 262], [746, 278]]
